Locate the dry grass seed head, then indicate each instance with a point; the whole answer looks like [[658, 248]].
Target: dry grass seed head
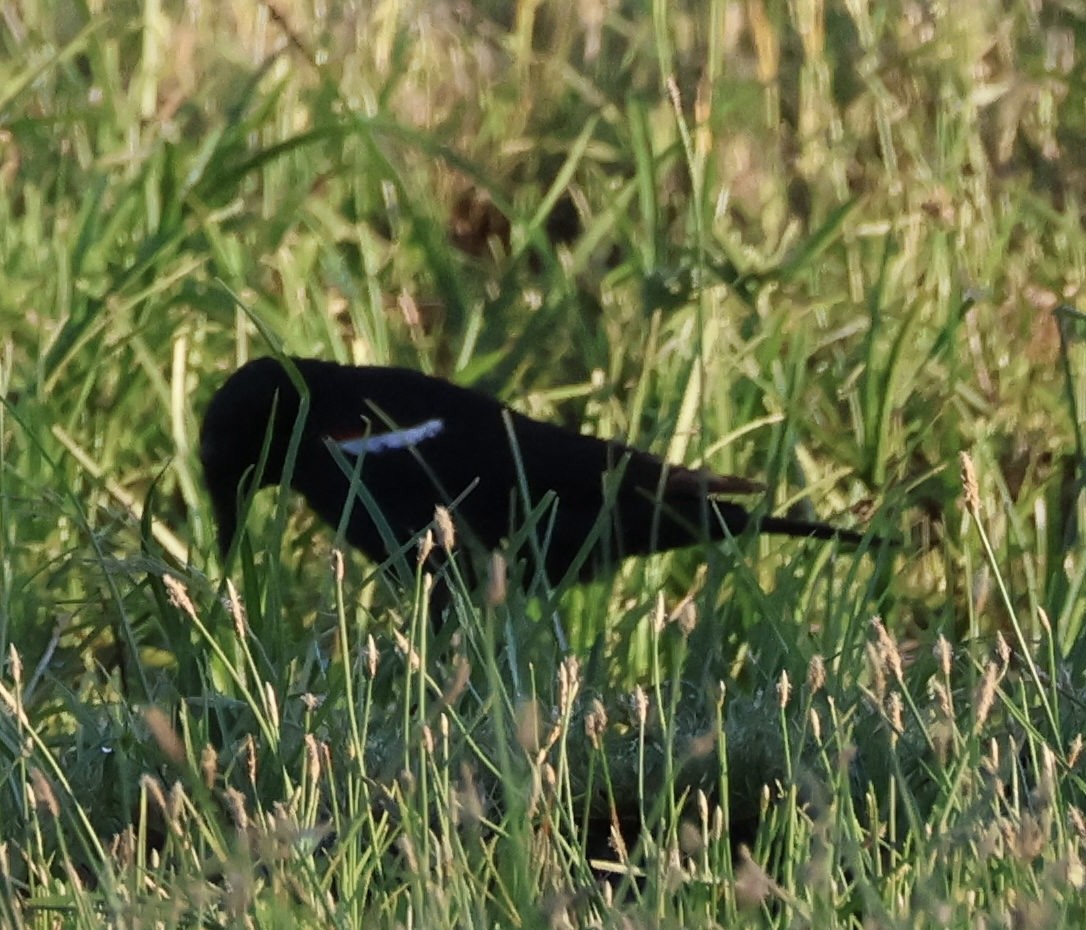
[[752, 885], [153, 787], [888, 650], [1003, 650], [569, 684], [122, 847], [985, 694], [427, 740], [497, 580], [407, 847], [468, 809], [404, 645], [271, 702], [165, 735], [969, 485], [312, 758], [691, 839], [1071, 871], [944, 655], [700, 746], [209, 765], [248, 750], [641, 702], [426, 546], [44, 798], [372, 656], [446, 530], [1046, 790], [991, 761], [618, 841], [176, 804], [1078, 821], [685, 616], [784, 689], [595, 723], [179, 596], [702, 800], [941, 693], [237, 610], [15, 664], [1075, 751], [1028, 839], [458, 683], [816, 674]]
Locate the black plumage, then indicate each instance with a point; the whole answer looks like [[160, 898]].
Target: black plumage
[[423, 441]]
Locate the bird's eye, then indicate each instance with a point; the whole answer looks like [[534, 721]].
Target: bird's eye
[[376, 443]]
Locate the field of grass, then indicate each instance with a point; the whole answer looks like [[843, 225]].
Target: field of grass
[[832, 246]]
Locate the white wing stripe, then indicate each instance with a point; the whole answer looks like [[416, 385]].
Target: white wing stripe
[[376, 443]]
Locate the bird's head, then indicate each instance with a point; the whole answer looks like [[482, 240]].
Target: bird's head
[[257, 405]]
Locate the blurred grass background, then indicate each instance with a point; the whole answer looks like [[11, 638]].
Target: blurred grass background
[[831, 246]]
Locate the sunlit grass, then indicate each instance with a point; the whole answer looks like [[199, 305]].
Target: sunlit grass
[[830, 247]]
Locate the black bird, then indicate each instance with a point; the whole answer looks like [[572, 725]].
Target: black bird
[[411, 442]]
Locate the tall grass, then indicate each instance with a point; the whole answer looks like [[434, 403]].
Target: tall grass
[[831, 246]]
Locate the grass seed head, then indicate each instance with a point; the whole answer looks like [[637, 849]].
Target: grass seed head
[[944, 655], [641, 702], [372, 656], [985, 695], [969, 485], [271, 701], [941, 694], [165, 735], [237, 610], [153, 787], [816, 674], [458, 683], [179, 595], [888, 650], [1003, 649], [752, 885], [209, 765], [784, 689], [15, 663], [595, 723], [446, 531], [426, 546], [569, 684], [497, 580], [1075, 751], [249, 752], [312, 758], [44, 797]]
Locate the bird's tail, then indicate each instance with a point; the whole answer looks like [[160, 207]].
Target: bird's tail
[[785, 526]]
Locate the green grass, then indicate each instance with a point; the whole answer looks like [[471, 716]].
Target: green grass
[[833, 247]]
